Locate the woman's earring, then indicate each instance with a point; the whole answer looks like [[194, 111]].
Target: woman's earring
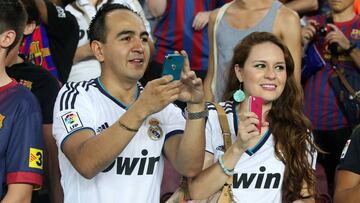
[[239, 95]]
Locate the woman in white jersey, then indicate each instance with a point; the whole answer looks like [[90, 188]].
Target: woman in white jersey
[[277, 163]]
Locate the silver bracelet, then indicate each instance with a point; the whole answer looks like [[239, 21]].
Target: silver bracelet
[[197, 115]]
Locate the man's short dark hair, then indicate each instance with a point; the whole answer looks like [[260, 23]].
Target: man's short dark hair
[[97, 29], [12, 17], [32, 11]]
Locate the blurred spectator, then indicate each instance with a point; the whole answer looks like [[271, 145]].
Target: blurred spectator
[[301, 6], [85, 65], [21, 141], [182, 26], [45, 87], [268, 15], [348, 174], [331, 128], [53, 43], [357, 7]]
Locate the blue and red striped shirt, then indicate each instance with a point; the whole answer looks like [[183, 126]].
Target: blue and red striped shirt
[[174, 31], [321, 105]]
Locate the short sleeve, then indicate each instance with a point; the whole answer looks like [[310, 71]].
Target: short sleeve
[[72, 112], [25, 150], [350, 156], [175, 122]]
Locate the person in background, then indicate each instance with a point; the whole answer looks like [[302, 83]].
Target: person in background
[[347, 181], [182, 25], [330, 126], [45, 87], [21, 141], [85, 66], [272, 162], [53, 43], [113, 132]]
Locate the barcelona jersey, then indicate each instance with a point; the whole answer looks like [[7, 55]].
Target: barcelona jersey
[[21, 141]]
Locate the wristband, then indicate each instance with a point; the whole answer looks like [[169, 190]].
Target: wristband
[[197, 115], [223, 167], [127, 128]]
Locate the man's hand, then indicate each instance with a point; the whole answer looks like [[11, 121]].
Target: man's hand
[[192, 90], [338, 37], [158, 93], [200, 20], [308, 32]]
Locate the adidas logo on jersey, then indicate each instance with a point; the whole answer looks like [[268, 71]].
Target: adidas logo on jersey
[[102, 127], [126, 165], [261, 180]]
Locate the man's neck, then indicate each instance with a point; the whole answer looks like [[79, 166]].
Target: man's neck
[[4, 78], [346, 15], [125, 92]]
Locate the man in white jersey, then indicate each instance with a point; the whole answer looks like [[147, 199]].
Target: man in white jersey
[[112, 132]]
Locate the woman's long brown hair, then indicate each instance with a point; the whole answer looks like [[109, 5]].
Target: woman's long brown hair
[[290, 127]]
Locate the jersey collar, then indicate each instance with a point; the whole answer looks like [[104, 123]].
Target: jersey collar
[[117, 101]]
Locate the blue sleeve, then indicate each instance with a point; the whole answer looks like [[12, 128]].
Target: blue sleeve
[[25, 155]]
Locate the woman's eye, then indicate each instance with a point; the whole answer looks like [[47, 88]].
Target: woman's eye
[[260, 65], [280, 68]]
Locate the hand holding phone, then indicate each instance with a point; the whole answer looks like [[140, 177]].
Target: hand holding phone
[[173, 65], [255, 105]]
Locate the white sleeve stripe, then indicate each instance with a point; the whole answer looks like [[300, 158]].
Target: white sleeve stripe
[[66, 100]]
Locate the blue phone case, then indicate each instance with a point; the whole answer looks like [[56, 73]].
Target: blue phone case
[[173, 65]]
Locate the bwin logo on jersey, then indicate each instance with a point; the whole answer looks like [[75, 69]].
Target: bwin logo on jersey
[[244, 180], [127, 165]]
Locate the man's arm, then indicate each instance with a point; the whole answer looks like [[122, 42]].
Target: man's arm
[[287, 27], [52, 170], [157, 7], [303, 6], [83, 53], [18, 193], [86, 151], [347, 187]]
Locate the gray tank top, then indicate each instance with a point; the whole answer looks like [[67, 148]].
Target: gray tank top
[[227, 38]]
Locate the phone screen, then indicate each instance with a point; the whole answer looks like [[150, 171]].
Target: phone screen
[[173, 65], [255, 105]]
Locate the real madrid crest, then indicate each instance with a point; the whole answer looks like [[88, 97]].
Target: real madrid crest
[[1, 120], [155, 132]]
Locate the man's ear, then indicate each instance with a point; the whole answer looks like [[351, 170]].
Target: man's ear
[[29, 28], [7, 38], [96, 47], [238, 72]]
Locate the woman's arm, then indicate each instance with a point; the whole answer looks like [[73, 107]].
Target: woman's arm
[[347, 187]]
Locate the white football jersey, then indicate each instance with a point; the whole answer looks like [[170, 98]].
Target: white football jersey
[[136, 174], [259, 173]]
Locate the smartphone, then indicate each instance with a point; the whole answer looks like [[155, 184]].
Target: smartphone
[[173, 65], [255, 105]]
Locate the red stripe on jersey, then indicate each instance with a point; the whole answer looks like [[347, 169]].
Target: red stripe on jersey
[[198, 40], [180, 25], [24, 177], [164, 32]]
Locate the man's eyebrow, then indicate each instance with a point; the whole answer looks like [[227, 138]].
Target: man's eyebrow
[[144, 33], [125, 32]]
